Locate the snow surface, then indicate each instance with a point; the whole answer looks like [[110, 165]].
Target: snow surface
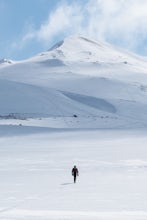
[[82, 102], [36, 181]]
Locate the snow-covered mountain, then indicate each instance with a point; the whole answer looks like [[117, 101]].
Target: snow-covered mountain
[[77, 83], [5, 61]]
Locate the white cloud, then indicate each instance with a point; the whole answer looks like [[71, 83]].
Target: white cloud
[[63, 19], [118, 20], [114, 20]]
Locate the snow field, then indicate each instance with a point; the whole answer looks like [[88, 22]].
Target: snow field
[[36, 181]]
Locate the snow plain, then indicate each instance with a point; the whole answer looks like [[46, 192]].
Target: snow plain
[[84, 103], [36, 181]]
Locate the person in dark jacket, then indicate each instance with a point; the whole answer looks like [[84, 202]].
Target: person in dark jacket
[[75, 173]]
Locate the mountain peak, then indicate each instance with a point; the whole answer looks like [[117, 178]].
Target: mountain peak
[[79, 48], [76, 40], [84, 50], [57, 45]]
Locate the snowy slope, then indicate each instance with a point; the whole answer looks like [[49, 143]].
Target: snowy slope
[[52, 107], [102, 85]]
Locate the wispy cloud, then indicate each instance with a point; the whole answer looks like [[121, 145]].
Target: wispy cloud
[[63, 20], [121, 21]]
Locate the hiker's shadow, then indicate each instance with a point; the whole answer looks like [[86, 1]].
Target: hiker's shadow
[[64, 184]]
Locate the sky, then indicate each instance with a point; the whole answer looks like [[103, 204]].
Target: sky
[[28, 27]]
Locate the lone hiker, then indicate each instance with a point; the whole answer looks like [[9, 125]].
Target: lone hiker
[[75, 173]]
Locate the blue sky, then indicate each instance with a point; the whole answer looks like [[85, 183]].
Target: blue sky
[[28, 27]]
